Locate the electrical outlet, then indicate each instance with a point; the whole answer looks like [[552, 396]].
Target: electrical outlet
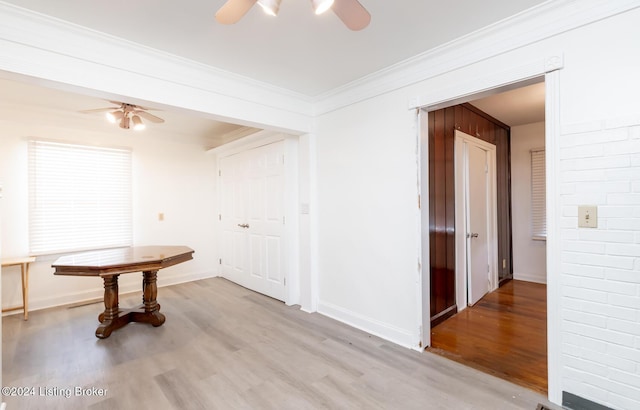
[[587, 216]]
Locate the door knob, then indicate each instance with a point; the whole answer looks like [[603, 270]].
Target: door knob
[[243, 225], [472, 235]]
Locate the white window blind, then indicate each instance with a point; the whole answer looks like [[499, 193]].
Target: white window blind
[[79, 197], [538, 195]]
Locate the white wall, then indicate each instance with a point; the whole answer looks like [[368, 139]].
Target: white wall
[[367, 207], [368, 217], [529, 256], [172, 175]]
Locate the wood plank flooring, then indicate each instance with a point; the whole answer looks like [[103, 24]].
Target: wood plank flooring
[[226, 347], [504, 334]]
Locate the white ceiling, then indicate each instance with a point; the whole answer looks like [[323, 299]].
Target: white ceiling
[[523, 105], [296, 50]]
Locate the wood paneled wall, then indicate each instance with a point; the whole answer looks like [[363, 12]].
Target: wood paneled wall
[[442, 229]]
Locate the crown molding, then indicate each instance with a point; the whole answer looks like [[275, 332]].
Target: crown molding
[[546, 20], [42, 32]]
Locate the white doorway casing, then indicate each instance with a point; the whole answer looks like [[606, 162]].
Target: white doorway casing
[[526, 73], [475, 219]]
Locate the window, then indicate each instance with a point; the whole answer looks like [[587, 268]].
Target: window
[[79, 197], [538, 195]]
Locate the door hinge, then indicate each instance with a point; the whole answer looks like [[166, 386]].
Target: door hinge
[[219, 217], [219, 173], [419, 202], [284, 281], [283, 220], [220, 261]]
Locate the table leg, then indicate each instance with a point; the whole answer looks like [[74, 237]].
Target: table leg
[[149, 294], [24, 270], [109, 319]]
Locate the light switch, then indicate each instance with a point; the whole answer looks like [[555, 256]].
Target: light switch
[[587, 216], [161, 216]]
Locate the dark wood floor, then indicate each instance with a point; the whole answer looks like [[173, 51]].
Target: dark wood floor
[[226, 347], [504, 334]]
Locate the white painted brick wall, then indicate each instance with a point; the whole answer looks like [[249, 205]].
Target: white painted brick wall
[[600, 280]]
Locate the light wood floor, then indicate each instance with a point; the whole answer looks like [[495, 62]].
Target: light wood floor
[[504, 334], [226, 347]]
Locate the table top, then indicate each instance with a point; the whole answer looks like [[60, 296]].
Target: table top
[[121, 260], [18, 261]]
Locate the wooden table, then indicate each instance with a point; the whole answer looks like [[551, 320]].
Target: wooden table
[[24, 272], [109, 264]]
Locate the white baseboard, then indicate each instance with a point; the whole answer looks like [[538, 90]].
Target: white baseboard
[[528, 277], [98, 293], [385, 331]]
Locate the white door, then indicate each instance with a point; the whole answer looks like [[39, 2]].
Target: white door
[[475, 219], [478, 246], [252, 217]]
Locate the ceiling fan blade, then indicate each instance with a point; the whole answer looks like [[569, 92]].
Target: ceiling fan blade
[[233, 10], [98, 110], [148, 116], [352, 13]]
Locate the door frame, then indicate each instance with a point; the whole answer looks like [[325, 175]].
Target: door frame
[[291, 194], [525, 73], [462, 216]]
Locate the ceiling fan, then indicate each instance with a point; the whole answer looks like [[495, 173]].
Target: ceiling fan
[[351, 12], [127, 115]]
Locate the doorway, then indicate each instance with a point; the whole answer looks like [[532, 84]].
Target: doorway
[[258, 226], [504, 332], [252, 219]]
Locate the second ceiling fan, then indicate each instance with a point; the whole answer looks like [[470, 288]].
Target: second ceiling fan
[[351, 12]]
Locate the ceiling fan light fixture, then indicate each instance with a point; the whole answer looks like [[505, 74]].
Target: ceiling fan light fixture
[[320, 6], [138, 125], [114, 116], [124, 123], [271, 7]]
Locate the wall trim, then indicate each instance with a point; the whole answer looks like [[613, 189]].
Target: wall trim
[[574, 402], [383, 330], [554, 260], [528, 277]]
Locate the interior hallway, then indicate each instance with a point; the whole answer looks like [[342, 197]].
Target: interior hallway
[[504, 334]]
